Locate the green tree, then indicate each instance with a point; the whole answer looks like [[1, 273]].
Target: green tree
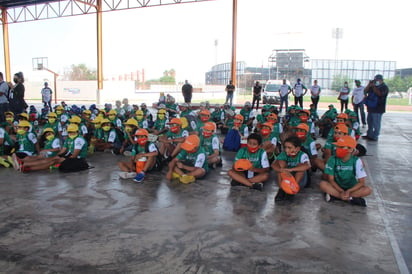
[[339, 80], [80, 73], [169, 77], [398, 84]]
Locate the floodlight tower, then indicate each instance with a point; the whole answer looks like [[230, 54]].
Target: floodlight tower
[[337, 33]]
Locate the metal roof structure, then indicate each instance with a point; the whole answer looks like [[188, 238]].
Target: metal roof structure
[[32, 10], [16, 11]]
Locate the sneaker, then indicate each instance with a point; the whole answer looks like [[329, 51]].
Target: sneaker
[[139, 177], [235, 183], [127, 175], [257, 186], [280, 196], [358, 201], [187, 179], [16, 162], [127, 153], [175, 175], [4, 163]]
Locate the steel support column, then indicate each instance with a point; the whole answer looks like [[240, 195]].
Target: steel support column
[[4, 21], [234, 30], [99, 51]]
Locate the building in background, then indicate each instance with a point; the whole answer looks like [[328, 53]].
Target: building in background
[[292, 64], [403, 73]]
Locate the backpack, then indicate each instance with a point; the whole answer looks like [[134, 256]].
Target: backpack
[[73, 165], [371, 101], [232, 141]]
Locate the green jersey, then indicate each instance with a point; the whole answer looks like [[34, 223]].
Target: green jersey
[[77, 143], [7, 141], [53, 144], [346, 174], [210, 144], [27, 143], [196, 159], [54, 127], [160, 124], [149, 147], [293, 161]]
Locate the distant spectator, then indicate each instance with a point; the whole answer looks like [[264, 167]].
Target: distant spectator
[[46, 95], [230, 89], [357, 100], [299, 93], [315, 94], [187, 91], [257, 90], [344, 96]]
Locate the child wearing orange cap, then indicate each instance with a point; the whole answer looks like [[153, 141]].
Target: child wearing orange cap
[[204, 117], [292, 161], [309, 146], [347, 175], [210, 142], [269, 141], [339, 131], [143, 158], [170, 143], [191, 162], [254, 175]]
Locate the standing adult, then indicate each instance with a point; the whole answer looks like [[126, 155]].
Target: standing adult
[[16, 95], [4, 94], [230, 89], [344, 96], [46, 95], [315, 94], [377, 88], [284, 92], [299, 93], [358, 95], [187, 91], [257, 90]]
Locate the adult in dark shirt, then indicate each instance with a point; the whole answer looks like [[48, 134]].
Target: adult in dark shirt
[[187, 91], [257, 90], [374, 119], [16, 98], [230, 89]]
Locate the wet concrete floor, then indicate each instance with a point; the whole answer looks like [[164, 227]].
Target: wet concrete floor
[[94, 222]]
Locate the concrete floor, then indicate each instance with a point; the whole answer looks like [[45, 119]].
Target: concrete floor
[[94, 222]]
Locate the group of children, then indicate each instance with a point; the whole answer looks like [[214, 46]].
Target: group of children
[[190, 142]]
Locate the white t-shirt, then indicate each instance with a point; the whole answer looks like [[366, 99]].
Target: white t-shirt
[[344, 93], [46, 94], [315, 91], [358, 94], [298, 89], [284, 89]]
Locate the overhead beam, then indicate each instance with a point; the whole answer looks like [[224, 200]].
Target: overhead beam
[[65, 8]]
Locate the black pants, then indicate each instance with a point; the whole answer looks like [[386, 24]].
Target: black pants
[[256, 99], [343, 104], [315, 101], [299, 100]]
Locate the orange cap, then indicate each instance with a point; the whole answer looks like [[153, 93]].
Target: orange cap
[[239, 117], [342, 128], [289, 184], [346, 141], [210, 126], [342, 116], [191, 142], [205, 112], [141, 132], [303, 126], [267, 125], [243, 165], [305, 111], [175, 121]]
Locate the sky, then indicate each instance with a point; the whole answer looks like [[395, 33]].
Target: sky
[[183, 36]]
